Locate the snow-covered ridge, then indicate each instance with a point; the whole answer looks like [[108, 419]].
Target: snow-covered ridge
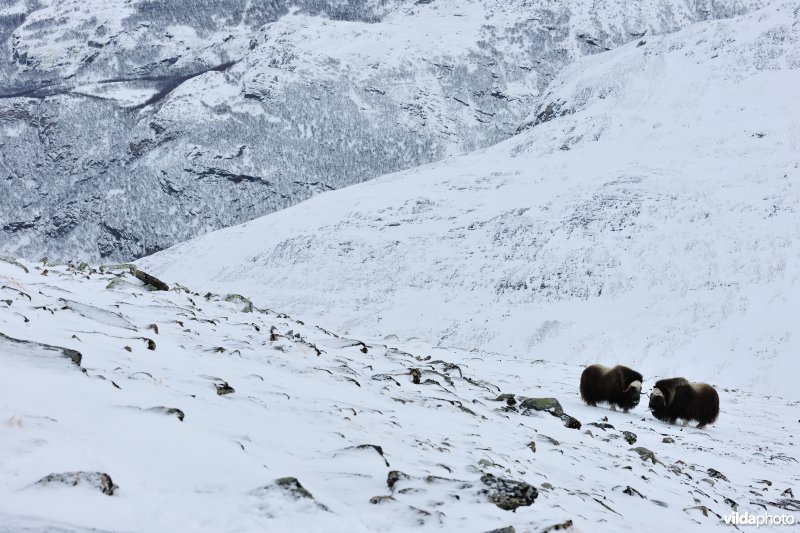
[[652, 213], [178, 411], [213, 114]]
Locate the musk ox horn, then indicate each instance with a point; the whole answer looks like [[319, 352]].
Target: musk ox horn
[[634, 385]]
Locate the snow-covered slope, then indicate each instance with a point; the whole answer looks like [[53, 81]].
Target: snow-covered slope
[[127, 126], [181, 412], [648, 214]]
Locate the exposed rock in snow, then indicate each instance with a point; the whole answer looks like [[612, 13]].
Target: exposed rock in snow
[[291, 489], [97, 480], [509, 494], [32, 349]]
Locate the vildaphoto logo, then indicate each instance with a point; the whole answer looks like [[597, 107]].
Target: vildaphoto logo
[[766, 519]]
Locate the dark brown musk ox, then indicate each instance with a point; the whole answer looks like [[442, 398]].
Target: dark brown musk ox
[[676, 398], [664, 392], [619, 386]]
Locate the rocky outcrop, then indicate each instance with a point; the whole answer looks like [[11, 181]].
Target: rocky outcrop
[[96, 480]]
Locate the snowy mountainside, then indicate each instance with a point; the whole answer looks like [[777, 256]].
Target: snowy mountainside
[[647, 213], [125, 409], [131, 125]]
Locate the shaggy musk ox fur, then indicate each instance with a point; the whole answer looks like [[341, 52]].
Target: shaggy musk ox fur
[[619, 386], [676, 398], [663, 392]]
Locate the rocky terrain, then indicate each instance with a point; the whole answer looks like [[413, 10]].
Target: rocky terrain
[[130, 409], [127, 126]]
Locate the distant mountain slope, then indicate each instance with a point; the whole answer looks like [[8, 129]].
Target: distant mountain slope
[[173, 411], [649, 214], [131, 125]]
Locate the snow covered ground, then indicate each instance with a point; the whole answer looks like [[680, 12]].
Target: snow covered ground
[[209, 415], [648, 214]]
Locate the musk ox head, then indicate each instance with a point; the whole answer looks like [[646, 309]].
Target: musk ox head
[[633, 393], [657, 400]]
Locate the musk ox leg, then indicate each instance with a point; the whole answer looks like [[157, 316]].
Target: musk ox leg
[[625, 410], [701, 425], [613, 407], [685, 422]]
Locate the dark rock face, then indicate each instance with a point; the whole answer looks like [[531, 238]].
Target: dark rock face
[[508, 494], [98, 480], [234, 116]]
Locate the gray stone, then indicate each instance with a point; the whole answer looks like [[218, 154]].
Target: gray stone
[[508, 494], [629, 436], [550, 405], [645, 454]]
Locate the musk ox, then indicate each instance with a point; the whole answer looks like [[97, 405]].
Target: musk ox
[[619, 386], [676, 398], [664, 391]]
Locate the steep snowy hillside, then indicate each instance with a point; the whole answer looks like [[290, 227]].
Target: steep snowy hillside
[[649, 213], [125, 409], [127, 126]]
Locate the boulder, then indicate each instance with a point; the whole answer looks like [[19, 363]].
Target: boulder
[[97, 480], [508, 494]]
